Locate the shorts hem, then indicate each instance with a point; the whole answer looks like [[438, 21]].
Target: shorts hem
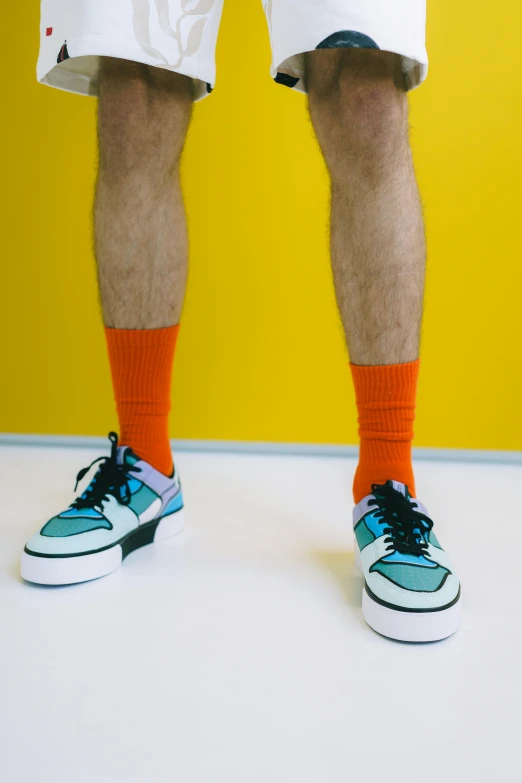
[[414, 75], [60, 77]]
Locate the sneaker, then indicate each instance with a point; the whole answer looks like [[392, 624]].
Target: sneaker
[[411, 592], [127, 504]]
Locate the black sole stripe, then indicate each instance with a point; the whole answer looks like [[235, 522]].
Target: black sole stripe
[[405, 609]]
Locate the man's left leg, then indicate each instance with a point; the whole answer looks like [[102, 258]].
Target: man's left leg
[[359, 111], [360, 114]]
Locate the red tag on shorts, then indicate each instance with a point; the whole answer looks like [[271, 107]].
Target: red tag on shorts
[[49, 31]]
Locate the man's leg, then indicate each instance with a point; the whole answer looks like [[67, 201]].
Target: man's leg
[[141, 242], [141, 252], [360, 114]]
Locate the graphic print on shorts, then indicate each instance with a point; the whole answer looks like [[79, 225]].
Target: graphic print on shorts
[[187, 31], [63, 54], [348, 39]]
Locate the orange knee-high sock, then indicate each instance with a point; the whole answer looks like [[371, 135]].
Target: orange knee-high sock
[[141, 366], [386, 398]]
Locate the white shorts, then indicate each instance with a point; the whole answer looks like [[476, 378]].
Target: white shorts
[[180, 35]]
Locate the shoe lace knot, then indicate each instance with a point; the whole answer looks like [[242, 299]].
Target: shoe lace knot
[[407, 527], [111, 478]]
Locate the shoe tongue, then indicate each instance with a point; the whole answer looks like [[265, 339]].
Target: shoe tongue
[[126, 456], [402, 488]]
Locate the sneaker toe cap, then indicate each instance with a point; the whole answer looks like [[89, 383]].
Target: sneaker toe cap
[[423, 597]]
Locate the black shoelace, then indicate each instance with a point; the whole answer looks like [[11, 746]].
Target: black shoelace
[[110, 479], [407, 527]]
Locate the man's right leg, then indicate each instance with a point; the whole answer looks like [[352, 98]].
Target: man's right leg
[[141, 242], [141, 250]]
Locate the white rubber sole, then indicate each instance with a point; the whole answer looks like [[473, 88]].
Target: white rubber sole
[[84, 568], [407, 626]]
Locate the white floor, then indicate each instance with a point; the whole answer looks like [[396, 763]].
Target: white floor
[[237, 651]]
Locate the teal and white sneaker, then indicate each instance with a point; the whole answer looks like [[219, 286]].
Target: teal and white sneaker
[[127, 504], [411, 592]]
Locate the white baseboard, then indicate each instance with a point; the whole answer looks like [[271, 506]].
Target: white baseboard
[[252, 447]]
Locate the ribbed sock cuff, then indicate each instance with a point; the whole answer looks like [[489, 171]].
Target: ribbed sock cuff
[[386, 401], [141, 365]]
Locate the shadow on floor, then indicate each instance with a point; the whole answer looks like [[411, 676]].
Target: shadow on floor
[[341, 567]]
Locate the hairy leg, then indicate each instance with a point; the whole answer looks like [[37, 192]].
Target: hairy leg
[[360, 114], [140, 232]]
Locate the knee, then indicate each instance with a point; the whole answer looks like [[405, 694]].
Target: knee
[[359, 103], [371, 108], [143, 116]]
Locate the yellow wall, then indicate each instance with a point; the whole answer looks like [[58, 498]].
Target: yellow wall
[[261, 354]]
